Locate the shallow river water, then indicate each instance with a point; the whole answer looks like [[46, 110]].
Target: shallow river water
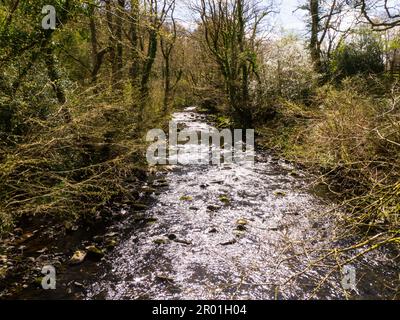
[[234, 232]]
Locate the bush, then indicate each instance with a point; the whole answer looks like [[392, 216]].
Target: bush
[[363, 54], [287, 71], [355, 140], [70, 169]]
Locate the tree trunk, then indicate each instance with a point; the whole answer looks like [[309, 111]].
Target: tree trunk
[[111, 40], [314, 41], [55, 79], [119, 53], [148, 64], [167, 84], [135, 65]]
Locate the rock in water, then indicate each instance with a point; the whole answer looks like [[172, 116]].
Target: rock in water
[[241, 222], [78, 257], [94, 253], [280, 193]]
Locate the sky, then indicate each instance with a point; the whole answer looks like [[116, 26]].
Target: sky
[[286, 20], [289, 19]]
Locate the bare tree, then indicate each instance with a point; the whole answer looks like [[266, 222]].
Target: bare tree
[[111, 40], [230, 28], [97, 55], [144, 34], [326, 28], [381, 14], [167, 43]]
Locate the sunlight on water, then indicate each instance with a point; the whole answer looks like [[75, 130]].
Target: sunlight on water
[[225, 232]]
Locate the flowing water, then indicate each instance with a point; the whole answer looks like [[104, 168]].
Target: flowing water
[[233, 232]]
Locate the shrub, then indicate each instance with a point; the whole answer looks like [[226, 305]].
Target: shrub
[[70, 169], [362, 54]]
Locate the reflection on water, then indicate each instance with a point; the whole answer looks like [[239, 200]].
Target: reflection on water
[[231, 232]]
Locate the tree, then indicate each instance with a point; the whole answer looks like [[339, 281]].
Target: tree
[[230, 29], [96, 54], [168, 39], [144, 35], [363, 54], [325, 25], [381, 14]]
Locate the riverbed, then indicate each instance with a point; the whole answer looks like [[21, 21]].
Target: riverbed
[[236, 232]]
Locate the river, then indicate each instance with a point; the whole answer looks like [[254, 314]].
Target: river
[[235, 232]]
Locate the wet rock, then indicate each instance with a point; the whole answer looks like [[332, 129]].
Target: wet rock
[[18, 231], [164, 278], [140, 217], [24, 238], [172, 236], [160, 241], [138, 206], [57, 263], [241, 227], [78, 257], [43, 250], [162, 184], [111, 234], [42, 258], [151, 220], [183, 241], [224, 199], [227, 243], [213, 208], [94, 252], [280, 193], [78, 284], [148, 190], [241, 222], [168, 168], [186, 198], [111, 243]]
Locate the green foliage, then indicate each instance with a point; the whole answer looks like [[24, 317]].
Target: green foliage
[[70, 169], [69, 156], [354, 139], [363, 54]]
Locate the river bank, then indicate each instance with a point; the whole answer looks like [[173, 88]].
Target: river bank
[[229, 232]]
